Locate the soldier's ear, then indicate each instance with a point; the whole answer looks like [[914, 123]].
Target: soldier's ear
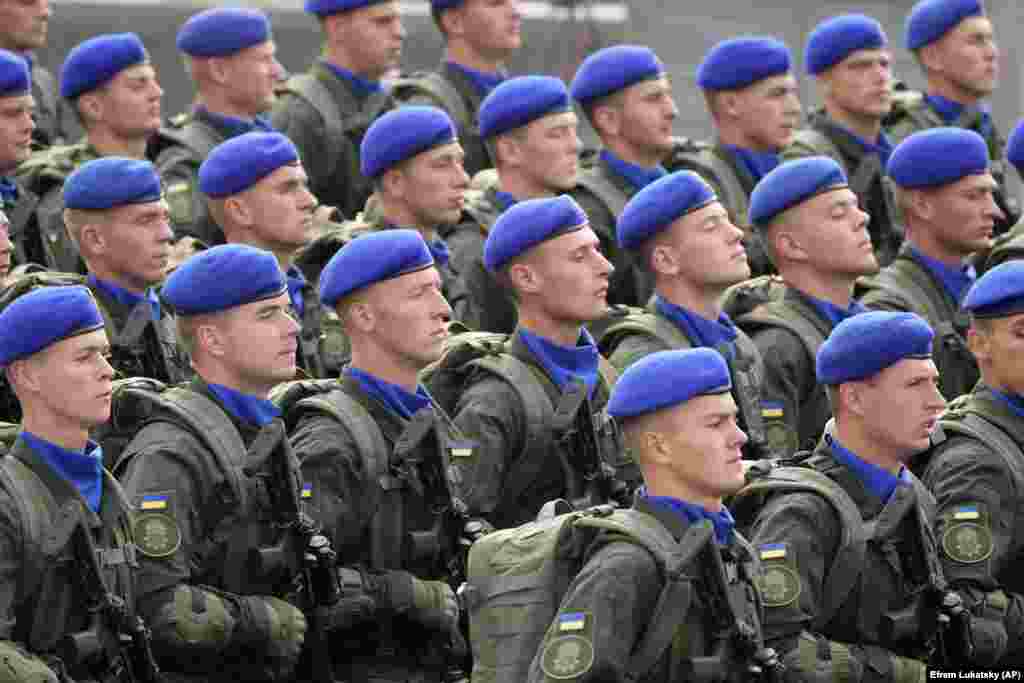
[[852, 397], [979, 341], [786, 245], [361, 317], [452, 22], [218, 70], [664, 260], [90, 106], [607, 120], [930, 56], [237, 211], [524, 278]]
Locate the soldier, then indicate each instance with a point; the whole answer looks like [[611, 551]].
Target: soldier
[[540, 428], [208, 500], [326, 112], [480, 36], [530, 128], [57, 503], [229, 54], [954, 44], [627, 98], [816, 235], [388, 293], [946, 193], [113, 88], [259, 195], [681, 234], [752, 97], [23, 29], [679, 420], [873, 611], [118, 221], [975, 472], [849, 58], [1009, 245]]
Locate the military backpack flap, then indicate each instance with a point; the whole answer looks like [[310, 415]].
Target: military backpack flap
[[747, 296], [517, 578]]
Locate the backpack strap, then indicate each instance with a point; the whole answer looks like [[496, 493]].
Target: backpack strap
[[602, 187], [623, 321], [34, 514], [973, 425], [434, 85], [771, 315], [313, 90]]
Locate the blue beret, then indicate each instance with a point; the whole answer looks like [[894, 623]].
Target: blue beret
[[998, 293], [518, 101], [929, 20], [667, 378], [93, 62], [223, 31], [111, 181], [324, 8], [370, 258], [612, 69], [526, 224], [15, 78], [791, 183], [937, 156], [867, 343], [738, 62], [239, 163], [442, 5], [835, 39], [223, 277], [1015, 147], [402, 134], [653, 208], [45, 316]]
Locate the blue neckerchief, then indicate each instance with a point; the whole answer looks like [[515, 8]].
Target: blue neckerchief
[[396, 398], [123, 296], [235, 126], [833, 313], [565, 364], [758, 164], [84, 470], [250, 409], [29, 58], [722, 520], [505, 199], [698, 329], [361, 87], [882, 147], [483, 82], [878, 481], [637, 176], [955, 281], [950, 111], [8, 191], [295, 282], [439, 250], [1014, 402]]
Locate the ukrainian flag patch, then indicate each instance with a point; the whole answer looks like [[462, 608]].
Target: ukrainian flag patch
[[307, 490], [966, 512], [462, 449], [771, 410], [572, 621], [153, 502], [773, 551]]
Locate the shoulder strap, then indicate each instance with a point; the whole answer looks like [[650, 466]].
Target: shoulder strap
[[905, 273], [713, 167], [975, 426], [641, 322], [804, 329], [438, 88], [817, 142], [195, 135], [604, 189], [34, 514], [312, 90]]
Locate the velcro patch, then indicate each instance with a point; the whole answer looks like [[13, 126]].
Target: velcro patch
[[967, 537], [156, 534], [567, 657], [778, 583], [965, 512], [307, 490], [153, 502], [772, 551], [462, 449], [772, 410]]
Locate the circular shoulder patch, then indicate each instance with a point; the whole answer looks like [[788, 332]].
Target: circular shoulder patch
[[567, 657], [156, 534], [967, 542], [779, 585], [781, 437]]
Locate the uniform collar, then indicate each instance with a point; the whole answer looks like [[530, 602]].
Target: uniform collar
[[234, 126], [361, 87], [8, 191], [504, 199], [834, 314], [483, 81], [878, 481], [124, 297], [722, 520], [83, 469], [955, 281], [1012, 401], [637, 176], [394, 397], [249, 409], [758, 164], [950, 111], [562, 363], [881, 146], [700, 330], [296, 282]]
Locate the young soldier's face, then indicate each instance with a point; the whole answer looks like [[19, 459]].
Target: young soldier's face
[[902, 405], [964, 213], [998, 344], [708, 249], [410, 317], [252, 75], [281, 209], [572, 276], [16, 128], [433, 185], [6, 247], [137, 243], [492, 27], [968, 56], [373, 37], [831, 232], [861, 84], [75, 379], [707, 445], [130, 102], [24, 24], [549, 150], [769, 112], [647, 114], [259, 341]]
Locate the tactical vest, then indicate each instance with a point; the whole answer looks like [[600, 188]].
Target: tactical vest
[[1006, 247], [318, 357], [746, 368], [912, 283]]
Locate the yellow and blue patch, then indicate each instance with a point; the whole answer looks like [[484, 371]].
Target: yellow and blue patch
[[153, 502], [772, 551], [772, 410], [966, 512], [462, 449], [572, 621], [307, 490]]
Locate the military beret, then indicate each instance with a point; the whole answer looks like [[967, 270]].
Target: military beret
[[736, 63], [93, 62], [223, 277], [526, 224], [402, 134], [441, 5], [324, 8], [43, 317], [835, 39], [612, 69], [237, 164], [111, 181], [15, 78], [667, 378], [929, 20], [998, 293], [653, 208], [792, 183], [518, 101], [937, 156], [223, 31], [1015, 147], [370, 258], [867, 343]]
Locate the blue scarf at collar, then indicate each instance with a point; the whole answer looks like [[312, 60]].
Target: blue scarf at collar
[[248, 409], [698, 329], [758, 164], [637, 176], [956, 281], [878, 481], [833, 313], [505, 199], [950, 111], [483, 82], [361, 87], [882, 146], [396, 398], [84, 470], [1012, 401], [8, 191], [126, 298], [235, 126], [565, 364], [722, 520], [295, 282]]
